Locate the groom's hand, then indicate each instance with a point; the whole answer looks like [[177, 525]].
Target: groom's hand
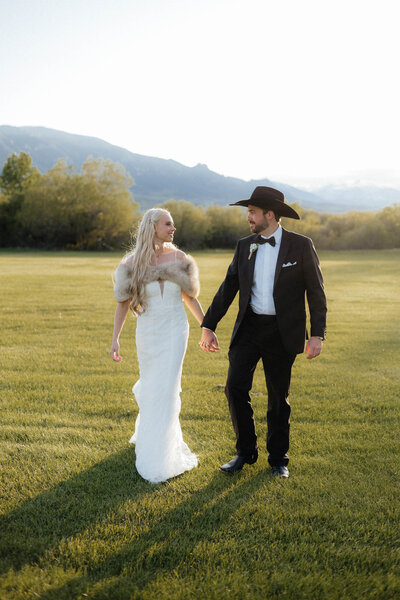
[[314, 347], [209, 341]]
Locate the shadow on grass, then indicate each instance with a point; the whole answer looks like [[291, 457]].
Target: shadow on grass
[[67, 509], [170, 543]]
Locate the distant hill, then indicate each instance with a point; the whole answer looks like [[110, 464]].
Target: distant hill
[[158, 180], [343, 198]]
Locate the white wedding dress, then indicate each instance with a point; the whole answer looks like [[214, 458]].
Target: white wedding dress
[[161, 339]]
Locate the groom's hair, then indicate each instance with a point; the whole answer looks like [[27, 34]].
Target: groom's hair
[[277, 217]]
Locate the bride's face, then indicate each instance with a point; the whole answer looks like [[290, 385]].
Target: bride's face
[[165, 228]]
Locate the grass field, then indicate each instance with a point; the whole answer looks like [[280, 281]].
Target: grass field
[[77, 521]]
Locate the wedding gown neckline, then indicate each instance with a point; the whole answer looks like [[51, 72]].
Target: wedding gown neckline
[[164, 262]]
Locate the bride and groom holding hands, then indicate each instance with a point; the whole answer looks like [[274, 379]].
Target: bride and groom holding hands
[[273, 270]]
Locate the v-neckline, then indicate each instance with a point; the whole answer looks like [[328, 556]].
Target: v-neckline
[[161, 282]]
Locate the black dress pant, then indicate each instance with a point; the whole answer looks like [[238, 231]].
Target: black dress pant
[[258, 337]]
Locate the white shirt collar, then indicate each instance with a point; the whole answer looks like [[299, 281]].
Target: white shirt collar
[[277, 235]]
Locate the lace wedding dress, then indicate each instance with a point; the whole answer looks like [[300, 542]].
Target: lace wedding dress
[[161, 339]]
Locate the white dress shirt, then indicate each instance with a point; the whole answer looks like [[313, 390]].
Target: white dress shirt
[[262, 301]]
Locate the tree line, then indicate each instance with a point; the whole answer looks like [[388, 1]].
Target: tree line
[[94, 209], [64, 208]]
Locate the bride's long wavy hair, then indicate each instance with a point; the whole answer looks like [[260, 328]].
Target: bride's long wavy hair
[[141, 254]]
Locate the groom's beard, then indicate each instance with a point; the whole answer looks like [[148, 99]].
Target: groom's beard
[[257, 228]]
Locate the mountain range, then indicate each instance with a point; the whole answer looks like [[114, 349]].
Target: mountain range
[[158, 180]]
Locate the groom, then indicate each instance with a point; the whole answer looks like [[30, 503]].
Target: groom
[[273, 270]]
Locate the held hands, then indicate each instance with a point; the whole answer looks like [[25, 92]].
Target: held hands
[[114, 352], [209, 341], [313, 347]]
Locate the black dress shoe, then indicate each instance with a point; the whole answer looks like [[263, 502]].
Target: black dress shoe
[[280, 471], [237, 462]]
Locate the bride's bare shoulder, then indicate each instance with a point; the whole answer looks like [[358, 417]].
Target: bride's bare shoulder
[[173, 254], [180, 255]]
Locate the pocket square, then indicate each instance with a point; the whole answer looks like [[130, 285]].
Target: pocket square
[[289, 264]]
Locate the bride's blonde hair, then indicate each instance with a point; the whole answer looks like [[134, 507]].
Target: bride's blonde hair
[[141, 254]]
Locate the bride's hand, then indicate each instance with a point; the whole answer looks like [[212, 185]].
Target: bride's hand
[[209, 341], [114, 352]]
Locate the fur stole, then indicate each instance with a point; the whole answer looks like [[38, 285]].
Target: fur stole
[[183, 272]]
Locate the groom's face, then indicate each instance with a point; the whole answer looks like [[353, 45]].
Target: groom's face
[[258, 220]]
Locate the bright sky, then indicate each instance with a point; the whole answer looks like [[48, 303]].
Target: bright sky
[[287, 90]]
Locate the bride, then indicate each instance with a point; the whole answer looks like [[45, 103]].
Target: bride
[[152, 280]]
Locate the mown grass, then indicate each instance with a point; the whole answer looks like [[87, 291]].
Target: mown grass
[[77, 521]]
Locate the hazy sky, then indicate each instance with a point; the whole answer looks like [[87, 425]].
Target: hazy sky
[[252, 88]]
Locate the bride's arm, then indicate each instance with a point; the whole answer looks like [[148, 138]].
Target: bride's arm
[[194, 306], [120, 315]]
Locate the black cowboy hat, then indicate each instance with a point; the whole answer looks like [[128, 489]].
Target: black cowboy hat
[[270, 199]]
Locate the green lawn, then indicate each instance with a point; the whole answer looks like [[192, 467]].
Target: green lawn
[[78, 522]]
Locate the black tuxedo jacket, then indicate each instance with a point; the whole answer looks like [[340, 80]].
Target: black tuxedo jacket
[[297, 275]]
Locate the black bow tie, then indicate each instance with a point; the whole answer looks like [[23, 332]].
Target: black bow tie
[[270, 240]]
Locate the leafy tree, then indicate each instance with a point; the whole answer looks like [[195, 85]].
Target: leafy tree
[[110, 211], [369, 234], [17, 175], [226, 225], [190, 222], [390, 217]]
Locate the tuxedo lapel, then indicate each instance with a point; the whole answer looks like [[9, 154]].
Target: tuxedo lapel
[[251, 262], [283, 250]]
